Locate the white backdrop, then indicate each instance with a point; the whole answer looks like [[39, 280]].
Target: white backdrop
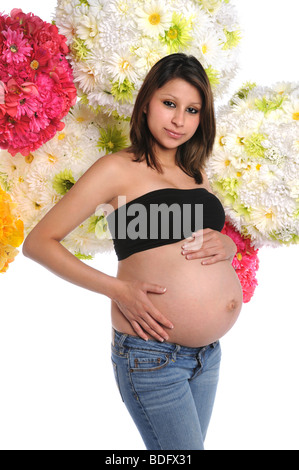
[[57, 388]]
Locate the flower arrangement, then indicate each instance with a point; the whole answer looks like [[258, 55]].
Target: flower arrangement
[[114, 44], [245, 262], [254, 169], [11, 231], [40, 180], [36, 82]]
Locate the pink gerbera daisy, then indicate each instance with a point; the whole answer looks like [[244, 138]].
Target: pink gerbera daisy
[[15, 47]]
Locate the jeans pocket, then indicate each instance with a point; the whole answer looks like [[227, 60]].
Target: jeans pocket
[[147, 361], [116, 377]]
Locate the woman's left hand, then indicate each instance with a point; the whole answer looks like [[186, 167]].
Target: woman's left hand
[[210, 244]]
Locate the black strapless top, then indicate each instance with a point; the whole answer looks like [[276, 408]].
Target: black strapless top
[[162, 217]]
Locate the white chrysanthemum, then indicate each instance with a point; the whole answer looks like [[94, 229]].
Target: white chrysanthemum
[[49, 155], [264, 219], [121, 7], [29, 205], [98, 7], [223, 164], [69, 27], [200, 21], [88, 30], [211, 5], [86, 76], [210, 50], [292, 110], [38, 179], [283, 88], [81, 114], [236, 138], [153, 18], [149, 53], [105, 98], [256, 135], [121, 66], [12, 167]]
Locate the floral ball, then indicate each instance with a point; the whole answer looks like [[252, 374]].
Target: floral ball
[[36, 82], [254, 169], [115, 43], [40, 180]]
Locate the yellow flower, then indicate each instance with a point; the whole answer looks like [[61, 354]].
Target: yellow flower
[[11, 231], [7, 255]]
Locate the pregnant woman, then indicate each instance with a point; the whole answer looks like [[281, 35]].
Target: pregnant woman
[[176, 292]]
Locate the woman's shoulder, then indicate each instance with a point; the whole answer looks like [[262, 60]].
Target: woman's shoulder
[[117, 168], [117, 161], [205, 181]]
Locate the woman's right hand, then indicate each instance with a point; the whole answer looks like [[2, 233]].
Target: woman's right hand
[[144, 317]]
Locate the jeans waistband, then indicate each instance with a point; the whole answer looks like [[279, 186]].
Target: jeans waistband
[[125, 340]]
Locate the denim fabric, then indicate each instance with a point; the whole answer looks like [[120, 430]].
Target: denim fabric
[[169, 390]]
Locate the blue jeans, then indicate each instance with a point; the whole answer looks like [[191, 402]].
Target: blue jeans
[[168, 389]]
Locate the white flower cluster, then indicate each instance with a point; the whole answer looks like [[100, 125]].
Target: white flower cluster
[[39, 181], [255, 165], [114, 43]]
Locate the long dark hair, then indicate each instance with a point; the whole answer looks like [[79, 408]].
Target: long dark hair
[[192, 155]]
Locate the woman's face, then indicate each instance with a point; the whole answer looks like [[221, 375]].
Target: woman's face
[[173, 114]]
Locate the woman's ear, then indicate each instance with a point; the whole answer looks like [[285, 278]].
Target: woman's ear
[[145, 109]]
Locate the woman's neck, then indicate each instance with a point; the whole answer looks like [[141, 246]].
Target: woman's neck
[[166, 157]]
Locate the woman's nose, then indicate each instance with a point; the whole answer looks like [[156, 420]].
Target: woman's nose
[[178, 118]]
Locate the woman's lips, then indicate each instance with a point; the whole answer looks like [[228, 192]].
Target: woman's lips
[[173, 135]]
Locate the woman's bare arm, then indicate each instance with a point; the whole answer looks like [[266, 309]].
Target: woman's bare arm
[[97, 186]]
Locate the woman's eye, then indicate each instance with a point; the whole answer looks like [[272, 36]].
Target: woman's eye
[[170, 104], [192, 110]]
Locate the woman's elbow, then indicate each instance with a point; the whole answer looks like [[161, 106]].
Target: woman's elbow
[[32, 245], [28, 247]]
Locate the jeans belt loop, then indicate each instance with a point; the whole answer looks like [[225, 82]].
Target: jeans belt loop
[[121, 343], [175, 352]]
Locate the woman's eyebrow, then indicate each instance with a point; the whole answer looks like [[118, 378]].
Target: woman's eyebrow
[[176, 98]]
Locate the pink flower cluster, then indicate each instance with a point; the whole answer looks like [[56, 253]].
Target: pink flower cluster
[[245, 262], [36, 82]]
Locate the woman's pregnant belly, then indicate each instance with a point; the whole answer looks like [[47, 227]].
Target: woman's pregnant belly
[[202, 302]]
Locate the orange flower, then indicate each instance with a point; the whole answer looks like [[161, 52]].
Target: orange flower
[[7, 255], [11, 231]]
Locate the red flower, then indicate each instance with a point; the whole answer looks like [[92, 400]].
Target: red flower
[[15, 48], [39, 60], [36, 82], [245, 262]]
